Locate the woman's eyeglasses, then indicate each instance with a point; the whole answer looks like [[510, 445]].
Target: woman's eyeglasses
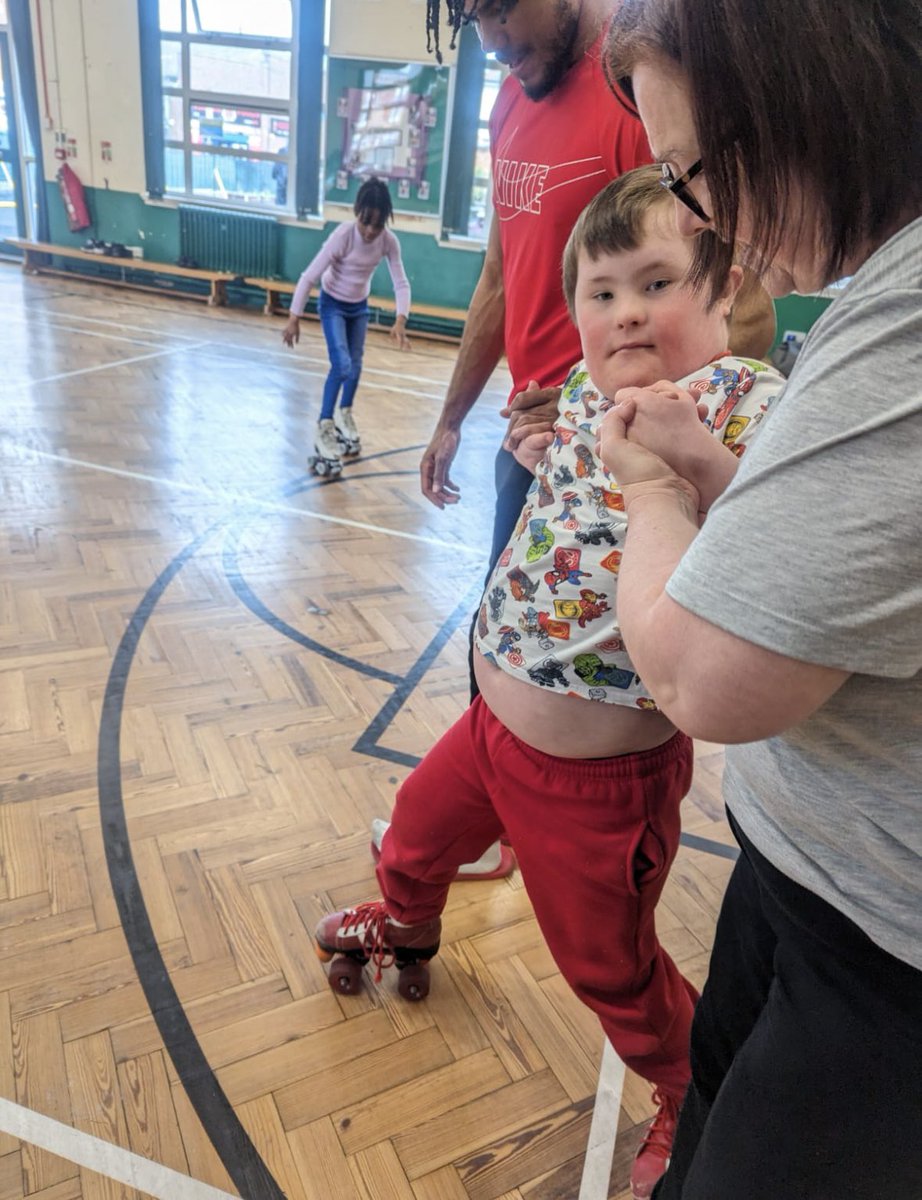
[[679, 187]]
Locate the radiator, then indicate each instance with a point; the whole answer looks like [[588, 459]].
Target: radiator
[[242, 243]]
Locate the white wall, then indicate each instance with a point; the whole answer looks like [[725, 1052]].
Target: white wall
[[92, 68], [388, 29]]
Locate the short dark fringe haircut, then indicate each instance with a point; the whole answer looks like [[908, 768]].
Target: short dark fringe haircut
[[821, 95], [374, 196], [455, 17], [614, 221]]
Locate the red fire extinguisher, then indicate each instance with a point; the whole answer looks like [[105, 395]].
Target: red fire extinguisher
[[78, 215]]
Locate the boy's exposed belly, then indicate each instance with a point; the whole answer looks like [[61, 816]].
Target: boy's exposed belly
[[567, 726]]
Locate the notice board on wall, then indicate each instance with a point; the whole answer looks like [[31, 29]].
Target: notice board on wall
[[387, 119]]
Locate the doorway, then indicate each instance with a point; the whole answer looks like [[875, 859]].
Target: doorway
[[12, 207]]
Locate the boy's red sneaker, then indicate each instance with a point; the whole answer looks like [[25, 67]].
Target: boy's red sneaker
[[652, 1158]]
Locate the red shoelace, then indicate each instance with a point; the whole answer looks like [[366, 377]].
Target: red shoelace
[[662, 1128], [373, 915]]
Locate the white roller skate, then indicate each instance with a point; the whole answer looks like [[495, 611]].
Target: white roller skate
[[325, 460], [350, 444]]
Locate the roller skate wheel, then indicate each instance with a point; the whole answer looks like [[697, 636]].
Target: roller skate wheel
[[413, 983], [346, 976]]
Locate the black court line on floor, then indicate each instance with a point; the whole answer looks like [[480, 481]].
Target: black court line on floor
[[231, 1142]]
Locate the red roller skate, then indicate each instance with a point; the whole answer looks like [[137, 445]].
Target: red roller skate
[[652, 1158], [356, 936]]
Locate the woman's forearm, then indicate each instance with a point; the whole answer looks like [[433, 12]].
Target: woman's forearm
[[662, 524]]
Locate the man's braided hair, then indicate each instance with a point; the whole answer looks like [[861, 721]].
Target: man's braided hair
[[457, 13]]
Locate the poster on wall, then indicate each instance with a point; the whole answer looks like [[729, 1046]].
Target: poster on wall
[[389, 120]]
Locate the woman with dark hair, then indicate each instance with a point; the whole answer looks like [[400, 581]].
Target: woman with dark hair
[[787, 621], [344, 266]]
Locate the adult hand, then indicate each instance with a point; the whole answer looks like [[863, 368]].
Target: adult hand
[[535, 408], [637, 470], [667, 420], [398, 333], [292, 331], [434, 481]]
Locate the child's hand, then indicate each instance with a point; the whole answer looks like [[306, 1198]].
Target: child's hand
[[398, 333], [636, 469], [292, 331], [530, 448], [534, 409], [667, 420], [629, 461]]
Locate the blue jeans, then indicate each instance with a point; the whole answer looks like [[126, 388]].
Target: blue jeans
[[344, 326], [512, 484]]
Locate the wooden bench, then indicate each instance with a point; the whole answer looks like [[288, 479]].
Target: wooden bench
[[217, 280], [448, 322]]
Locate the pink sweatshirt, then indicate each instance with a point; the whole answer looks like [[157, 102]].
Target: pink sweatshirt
[[345, 264]]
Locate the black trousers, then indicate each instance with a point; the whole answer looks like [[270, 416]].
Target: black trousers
[[806, 1054], [512, 484]]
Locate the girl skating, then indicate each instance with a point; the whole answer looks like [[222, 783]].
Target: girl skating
[[344, 267]]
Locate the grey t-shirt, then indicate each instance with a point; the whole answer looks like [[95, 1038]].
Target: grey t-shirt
[[815, 551]]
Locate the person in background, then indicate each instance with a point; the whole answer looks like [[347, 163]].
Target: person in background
[[789, 625], [344, 266], [563, 747]]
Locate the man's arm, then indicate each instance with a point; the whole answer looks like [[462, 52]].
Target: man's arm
[[481, 347], [752, 323]]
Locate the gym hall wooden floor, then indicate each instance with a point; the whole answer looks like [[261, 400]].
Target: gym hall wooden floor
[[214, 672]]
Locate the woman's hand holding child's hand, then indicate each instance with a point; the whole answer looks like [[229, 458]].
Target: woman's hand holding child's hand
[[644, 434], [665, 420]]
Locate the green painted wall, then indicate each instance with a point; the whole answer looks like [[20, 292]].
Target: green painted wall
[[798, 313], [438, 274]]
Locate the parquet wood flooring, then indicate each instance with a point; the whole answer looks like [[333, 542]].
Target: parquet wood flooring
[[214, 672]]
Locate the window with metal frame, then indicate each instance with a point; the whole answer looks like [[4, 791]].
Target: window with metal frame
[[228, 71], [481, 208]]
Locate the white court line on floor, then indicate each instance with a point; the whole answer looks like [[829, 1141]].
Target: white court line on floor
[[227, 496], [109, 337], [18, 321], [121, 362], [105, 1158], [603, 1131], [263, 352], [49, 311]]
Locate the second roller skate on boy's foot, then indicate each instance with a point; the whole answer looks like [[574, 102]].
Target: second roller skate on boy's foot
[[350, 444], [353, 937], [652, 1157], [325, 460]]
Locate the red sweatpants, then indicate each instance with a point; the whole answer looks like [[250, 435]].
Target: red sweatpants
[[594, 838]]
